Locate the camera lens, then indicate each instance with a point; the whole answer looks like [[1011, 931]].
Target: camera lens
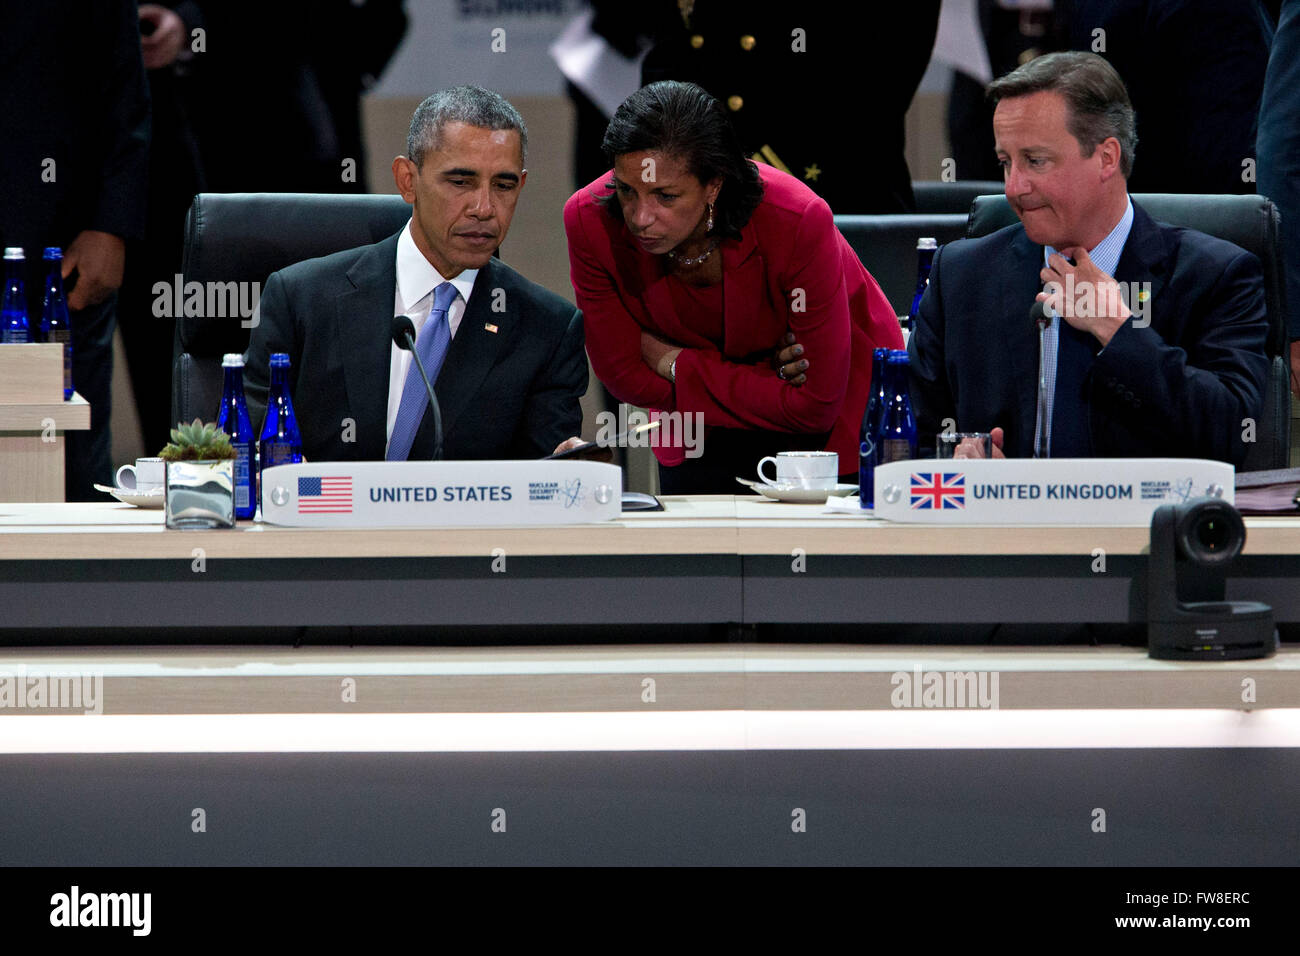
[[1210, 532]]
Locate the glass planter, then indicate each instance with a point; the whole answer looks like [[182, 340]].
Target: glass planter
[[200, 494]]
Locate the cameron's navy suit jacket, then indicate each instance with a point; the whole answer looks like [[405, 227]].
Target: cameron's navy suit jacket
[[1178, 388]]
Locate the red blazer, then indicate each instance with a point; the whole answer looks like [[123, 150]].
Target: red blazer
[[790, 244]]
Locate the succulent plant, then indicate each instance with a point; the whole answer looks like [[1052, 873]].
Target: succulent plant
[[198, 442]]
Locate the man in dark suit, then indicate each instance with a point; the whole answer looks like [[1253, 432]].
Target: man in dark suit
[[506, 355], [1154, 337]]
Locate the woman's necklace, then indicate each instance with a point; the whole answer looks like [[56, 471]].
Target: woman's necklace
[[689, 261]]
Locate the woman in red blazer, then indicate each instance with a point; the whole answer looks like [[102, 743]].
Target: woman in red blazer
[[712, 285]]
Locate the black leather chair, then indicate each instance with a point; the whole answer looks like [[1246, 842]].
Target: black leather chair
[[243, 238], [887, 247], [934, 196], [1252, 223]]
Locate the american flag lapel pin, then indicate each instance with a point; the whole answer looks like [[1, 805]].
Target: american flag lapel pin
[[491, 328]]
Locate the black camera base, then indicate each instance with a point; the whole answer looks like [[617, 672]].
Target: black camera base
[[1214, 631]]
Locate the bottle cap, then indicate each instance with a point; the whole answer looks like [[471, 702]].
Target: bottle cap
[[53, 252], [232, 360], [280, 360], [14, 252], [927, 243], [899, 357]]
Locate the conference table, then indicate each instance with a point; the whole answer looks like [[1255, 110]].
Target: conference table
[[740, 562], [797, 735]]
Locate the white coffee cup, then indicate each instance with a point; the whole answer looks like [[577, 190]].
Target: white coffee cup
[[146, 475], [802, 469]]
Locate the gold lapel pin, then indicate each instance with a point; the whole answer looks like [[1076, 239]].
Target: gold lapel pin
[[491, 328], [1144, 294]]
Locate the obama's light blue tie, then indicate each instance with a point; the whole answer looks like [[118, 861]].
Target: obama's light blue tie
[[431, 345]]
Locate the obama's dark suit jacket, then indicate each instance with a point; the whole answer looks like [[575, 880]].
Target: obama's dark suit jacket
[[1179, 388], [508, 393]]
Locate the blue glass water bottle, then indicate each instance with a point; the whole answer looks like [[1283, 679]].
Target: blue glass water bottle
[[896, 439], [870, 424], [55, 324], [925, 250], [281, 443], [13, 307], [234, 421]]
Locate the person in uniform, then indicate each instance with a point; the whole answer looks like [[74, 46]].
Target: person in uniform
[[818, 91]]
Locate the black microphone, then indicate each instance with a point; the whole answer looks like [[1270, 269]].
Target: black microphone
[[404, 338], [1041, 315]]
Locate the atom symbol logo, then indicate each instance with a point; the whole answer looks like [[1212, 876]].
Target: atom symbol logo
[[573, 493]]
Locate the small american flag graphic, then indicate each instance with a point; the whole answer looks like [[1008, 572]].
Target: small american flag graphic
[[325, 495]]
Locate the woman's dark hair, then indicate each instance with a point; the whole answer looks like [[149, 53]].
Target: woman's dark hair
[[682, 120]]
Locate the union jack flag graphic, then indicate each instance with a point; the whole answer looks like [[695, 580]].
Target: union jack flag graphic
[[938, 491]]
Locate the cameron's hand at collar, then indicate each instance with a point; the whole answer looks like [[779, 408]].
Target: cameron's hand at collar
[[1083, 295]]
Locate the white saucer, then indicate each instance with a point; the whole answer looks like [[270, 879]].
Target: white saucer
[[792, 494], [146, 499]]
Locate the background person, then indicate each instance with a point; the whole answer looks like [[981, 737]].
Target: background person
[[1203, 52], [285, 78], [1279, 162], [831, 59], [175, 175], [75, 134]]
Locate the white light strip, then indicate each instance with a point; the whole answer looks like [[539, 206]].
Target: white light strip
[[669, 731], [359, 664]]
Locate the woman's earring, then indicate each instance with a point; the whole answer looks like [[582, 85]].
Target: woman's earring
[[708, 225]]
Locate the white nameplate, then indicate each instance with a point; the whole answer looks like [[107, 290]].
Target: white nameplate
[[410, 494], [1057, 491]]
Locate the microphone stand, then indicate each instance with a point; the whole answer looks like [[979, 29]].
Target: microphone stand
[[1042, 320]]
